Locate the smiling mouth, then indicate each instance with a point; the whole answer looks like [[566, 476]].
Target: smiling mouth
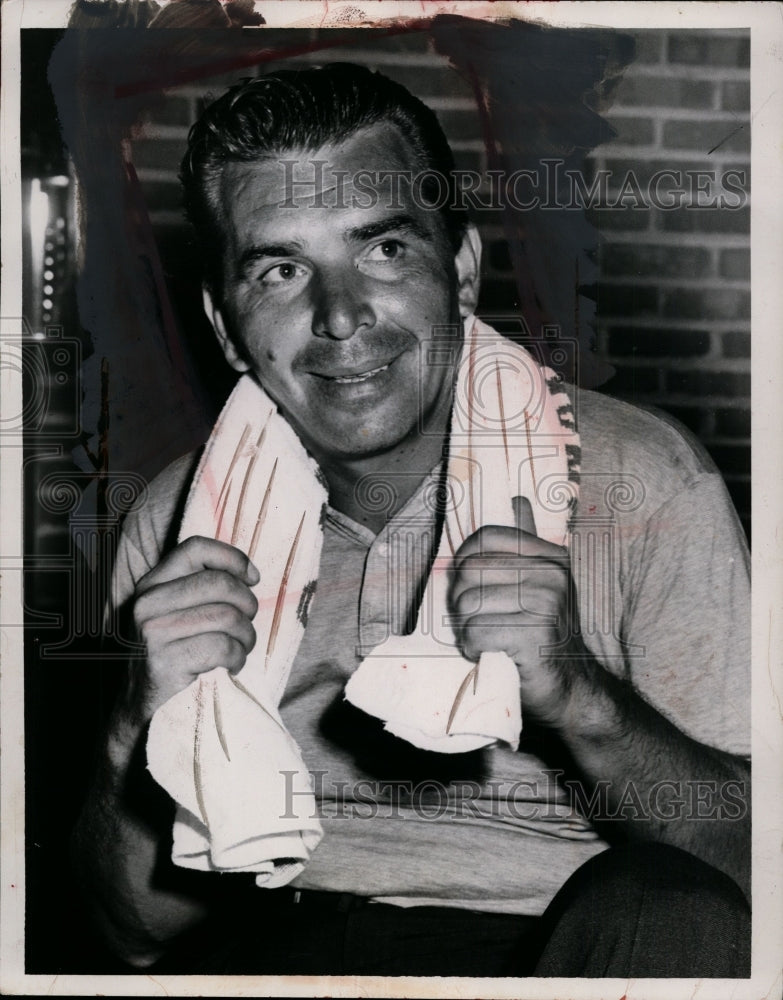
[[358, 377]]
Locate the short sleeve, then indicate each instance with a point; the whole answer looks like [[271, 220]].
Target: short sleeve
[[150, 529], [687, 616]]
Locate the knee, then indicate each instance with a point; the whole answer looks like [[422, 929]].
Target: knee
[[624, 876], [654, 910]]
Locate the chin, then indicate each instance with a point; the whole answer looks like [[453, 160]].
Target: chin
[[355, 443]]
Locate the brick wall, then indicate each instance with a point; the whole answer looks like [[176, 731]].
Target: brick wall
[[672, 291], [674, 299]]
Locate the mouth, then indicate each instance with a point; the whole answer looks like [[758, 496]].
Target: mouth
[[360, 377], [353, 378]]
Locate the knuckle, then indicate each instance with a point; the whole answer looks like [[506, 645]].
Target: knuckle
[[141, 610], [194, 545], [468, 602], [234, 655]]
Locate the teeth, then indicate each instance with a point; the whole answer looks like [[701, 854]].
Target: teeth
[[359, 378]]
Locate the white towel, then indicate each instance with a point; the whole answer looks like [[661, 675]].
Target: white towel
[[219, 747], [512, 434]]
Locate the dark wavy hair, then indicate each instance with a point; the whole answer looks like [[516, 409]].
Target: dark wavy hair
[[305, 109]]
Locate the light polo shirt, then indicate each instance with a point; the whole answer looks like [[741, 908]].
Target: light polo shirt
[[661, 573]]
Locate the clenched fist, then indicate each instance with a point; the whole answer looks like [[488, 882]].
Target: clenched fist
[[192, 612], [512, 592]]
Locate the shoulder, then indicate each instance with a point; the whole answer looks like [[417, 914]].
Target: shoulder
[[152, 522], [637, 451]]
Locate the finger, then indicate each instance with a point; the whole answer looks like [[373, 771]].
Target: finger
[[490, 539], [194, 621], [205, 652], [495, 541], [197, 553], [486, 633], [523, 515], [206, 587], [542, 607], [528, 574]]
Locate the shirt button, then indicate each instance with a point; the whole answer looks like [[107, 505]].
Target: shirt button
[[383, 550]]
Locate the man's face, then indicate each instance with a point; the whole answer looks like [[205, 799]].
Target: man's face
[[332, 307]]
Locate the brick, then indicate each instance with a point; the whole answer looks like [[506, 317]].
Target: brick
[[666, 184], [632, 381], [735, 264], [732, 423], [459, 124], [659, 343], [649, 45], [712, 303], [714, 49], [705, 136], [175, 110], [705, 220], [633, 131], [739, 175], [626, 300], [731, 459], [735, 95], [624, 219], [468, 159], [698, 382], [736, 345], [692, 417], [429, 81], [665, 92], [655, 261], [162, 196]]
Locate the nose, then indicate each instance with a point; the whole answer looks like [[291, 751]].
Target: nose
[[341, 306]]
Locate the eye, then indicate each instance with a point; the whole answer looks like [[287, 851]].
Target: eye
[[387, 250], [282, 273]]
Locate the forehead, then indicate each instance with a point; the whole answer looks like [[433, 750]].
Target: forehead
[[370, 174]]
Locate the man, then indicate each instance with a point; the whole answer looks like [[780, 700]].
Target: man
[[326, 287]]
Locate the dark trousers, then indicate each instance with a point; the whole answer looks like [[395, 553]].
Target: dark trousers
[[641, 911]]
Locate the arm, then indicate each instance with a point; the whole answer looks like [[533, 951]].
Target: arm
[[192, 612], [504, 579]]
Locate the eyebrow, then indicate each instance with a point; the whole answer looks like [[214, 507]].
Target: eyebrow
[[394, 224], [255, 253], [400, 223]]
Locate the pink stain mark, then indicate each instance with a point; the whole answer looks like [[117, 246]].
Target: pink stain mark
[[234, 460], [449, 539], [502, 413], [281, 595], [472, 675], [471, 390], [262, 513], [219, 529], [245, 485], [530, 452]]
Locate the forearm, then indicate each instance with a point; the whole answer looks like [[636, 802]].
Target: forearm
[[117, 847], [661, 784]]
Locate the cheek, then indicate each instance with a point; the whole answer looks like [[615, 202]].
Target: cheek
[[268, 334]]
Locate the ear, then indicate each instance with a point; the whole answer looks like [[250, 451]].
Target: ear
[[468, 266], [227, 345]]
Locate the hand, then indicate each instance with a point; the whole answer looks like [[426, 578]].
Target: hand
[[513, 592], [192, 612]]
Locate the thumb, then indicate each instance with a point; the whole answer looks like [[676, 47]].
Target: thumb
[[523, 515]]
